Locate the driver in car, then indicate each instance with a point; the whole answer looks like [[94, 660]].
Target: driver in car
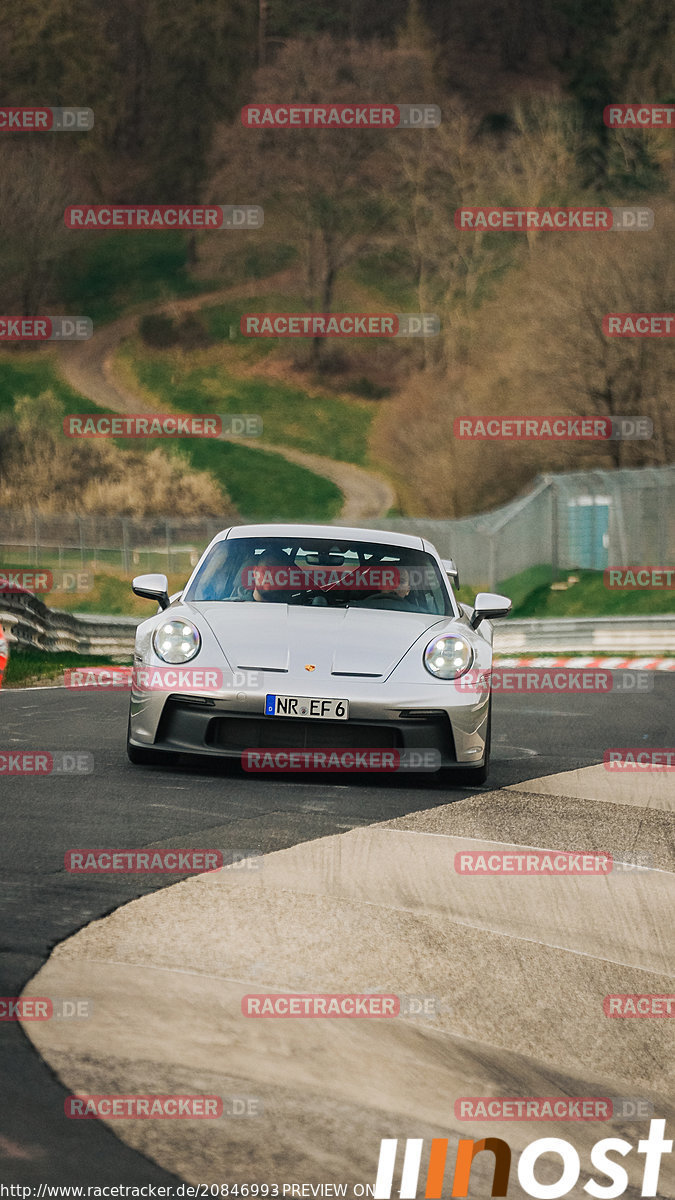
[[257, 576], [397, 597]]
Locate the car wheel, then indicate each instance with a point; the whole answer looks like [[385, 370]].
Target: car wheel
[[141, 756]]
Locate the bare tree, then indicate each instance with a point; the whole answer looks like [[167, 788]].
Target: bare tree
[[543, 152], [559, 359], [326, 187], [448, 168]]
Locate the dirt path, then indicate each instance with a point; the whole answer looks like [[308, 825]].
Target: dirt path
[[89, 367]]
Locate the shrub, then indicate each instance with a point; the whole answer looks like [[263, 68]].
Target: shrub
[[193, 333], [158, 331]]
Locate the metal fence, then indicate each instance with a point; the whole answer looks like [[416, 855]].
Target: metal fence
[[130, 544], [580, 519]]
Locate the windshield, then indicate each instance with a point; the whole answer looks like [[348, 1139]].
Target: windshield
[[323, 573]]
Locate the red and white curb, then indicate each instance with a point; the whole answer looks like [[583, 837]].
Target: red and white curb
[[611, 664]]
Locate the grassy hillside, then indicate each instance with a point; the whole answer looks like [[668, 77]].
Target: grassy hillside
[[291, 416], [261, 486], [588, 597], [533, 596]]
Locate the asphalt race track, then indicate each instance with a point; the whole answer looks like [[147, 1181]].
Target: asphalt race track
[[534, 740]]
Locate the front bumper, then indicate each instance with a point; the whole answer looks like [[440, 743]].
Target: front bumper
[[226, 725]]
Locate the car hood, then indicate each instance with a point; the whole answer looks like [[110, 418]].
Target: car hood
[[335, 641]]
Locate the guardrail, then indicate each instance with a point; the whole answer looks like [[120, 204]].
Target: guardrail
[[29, 622], [619, 635]]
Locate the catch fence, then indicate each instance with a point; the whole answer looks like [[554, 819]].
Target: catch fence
[[582, 519]]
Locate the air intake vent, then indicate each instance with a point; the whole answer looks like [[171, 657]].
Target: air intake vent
[[421, 714], [269, 670], [358, 674]]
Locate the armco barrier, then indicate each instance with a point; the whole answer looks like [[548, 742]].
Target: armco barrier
[[29, 622], [616, 635]]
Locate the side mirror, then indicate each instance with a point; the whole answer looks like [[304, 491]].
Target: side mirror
[[489, 605], [152, 587], [450, 569]]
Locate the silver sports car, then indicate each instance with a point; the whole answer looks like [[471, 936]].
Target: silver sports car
[[311, 647]]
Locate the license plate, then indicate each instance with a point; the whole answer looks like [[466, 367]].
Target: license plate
[[306, 706]]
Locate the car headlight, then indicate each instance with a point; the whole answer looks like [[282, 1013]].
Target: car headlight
[[176, 641], [448, 657]]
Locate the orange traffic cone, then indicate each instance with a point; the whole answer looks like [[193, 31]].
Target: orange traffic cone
[[4, 653]]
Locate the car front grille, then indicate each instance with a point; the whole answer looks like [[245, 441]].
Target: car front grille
[[189, 728], [248, 733]]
